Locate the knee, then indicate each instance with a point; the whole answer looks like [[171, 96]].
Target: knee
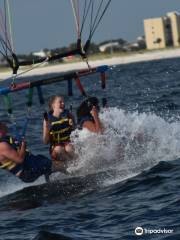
[[58, 149], [69, 148]]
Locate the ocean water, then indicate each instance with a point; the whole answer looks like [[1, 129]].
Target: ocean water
[[128, 177]]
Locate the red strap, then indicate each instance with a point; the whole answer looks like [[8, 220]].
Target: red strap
[[80, 86]]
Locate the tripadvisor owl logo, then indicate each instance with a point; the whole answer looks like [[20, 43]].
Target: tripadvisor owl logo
[[139, 231]]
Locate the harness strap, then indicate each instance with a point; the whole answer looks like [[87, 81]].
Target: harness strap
[[9, 165], [60, 121], [60, 131]]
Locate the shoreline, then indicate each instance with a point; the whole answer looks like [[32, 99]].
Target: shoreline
[[60, 68]]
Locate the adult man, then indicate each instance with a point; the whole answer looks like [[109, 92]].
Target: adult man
[[15, 158]]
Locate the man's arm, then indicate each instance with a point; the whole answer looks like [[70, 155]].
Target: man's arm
[[97, 125], [90, 126], [22, 150], [9, 153]]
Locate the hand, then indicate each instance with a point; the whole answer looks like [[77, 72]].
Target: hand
[[94, 112], [45, 115], [70, 122], [22, 148], [23, 142]]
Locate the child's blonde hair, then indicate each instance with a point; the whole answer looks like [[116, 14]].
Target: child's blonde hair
[[51, 101]]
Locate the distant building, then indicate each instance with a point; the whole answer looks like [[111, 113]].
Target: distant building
[[108, 45], [40, 54], [174, 18], [163, 31], [154, 33], [141, 42]]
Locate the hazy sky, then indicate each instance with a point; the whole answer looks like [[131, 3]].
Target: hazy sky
[[39, 24]]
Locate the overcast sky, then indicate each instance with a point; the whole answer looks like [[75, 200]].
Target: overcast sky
[[39, 24]]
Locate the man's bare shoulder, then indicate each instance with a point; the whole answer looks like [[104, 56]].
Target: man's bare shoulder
[[4, 146], [89, 125]]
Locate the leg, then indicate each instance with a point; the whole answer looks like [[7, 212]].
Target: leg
[[58, 152], [70, 152], [59, 166], [47, 178], [63, 153], [59, 159], [34, 167]]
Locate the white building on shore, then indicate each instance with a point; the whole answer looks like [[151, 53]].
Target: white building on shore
[[40, 54], [105, 46]]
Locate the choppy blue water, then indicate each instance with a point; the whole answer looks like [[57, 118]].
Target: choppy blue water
[[128, 177]]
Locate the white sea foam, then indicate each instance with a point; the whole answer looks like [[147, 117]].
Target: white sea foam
[[131, 143], [10, 183]]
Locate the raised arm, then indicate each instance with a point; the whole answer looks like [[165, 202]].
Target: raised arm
[[97, 126], [46, 136]]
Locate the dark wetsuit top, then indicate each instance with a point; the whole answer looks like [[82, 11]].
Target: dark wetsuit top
[[32, 166]]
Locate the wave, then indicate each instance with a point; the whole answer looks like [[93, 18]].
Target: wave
[[45, 235], [131, 143], [161, 176]]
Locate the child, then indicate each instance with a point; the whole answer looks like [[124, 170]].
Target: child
[[57, 127]]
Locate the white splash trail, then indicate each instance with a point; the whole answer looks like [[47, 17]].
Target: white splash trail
[[131, 143]]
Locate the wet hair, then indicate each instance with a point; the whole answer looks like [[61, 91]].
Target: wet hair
[[51, 101], [3, 127], [86, 106]]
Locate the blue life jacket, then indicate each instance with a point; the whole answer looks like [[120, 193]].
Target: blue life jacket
[[60, 128]]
